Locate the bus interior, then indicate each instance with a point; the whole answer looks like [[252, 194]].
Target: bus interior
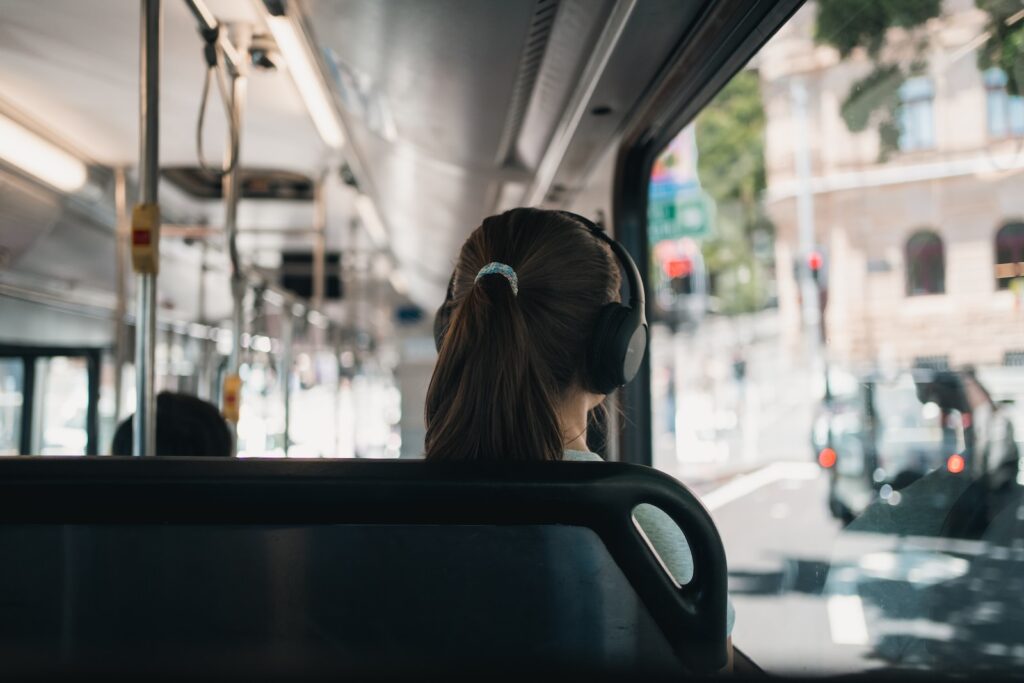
[[259, 204]]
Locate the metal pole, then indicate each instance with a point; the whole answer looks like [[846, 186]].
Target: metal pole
[[144, 436], [206, 23], [204, 17], [240, 36], [287, 339], [804, 198], [810, 294], [319, 253], [335, 422], [121, 236], [319, 243]]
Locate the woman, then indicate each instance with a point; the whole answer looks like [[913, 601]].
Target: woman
[[512, 380]]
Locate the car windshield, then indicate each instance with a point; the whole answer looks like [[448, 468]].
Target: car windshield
[[837, 275]]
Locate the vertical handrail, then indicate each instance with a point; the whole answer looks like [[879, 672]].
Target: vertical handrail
[[144, 433], [28, 404], [122, 234], [319, 255], [232, 195], [93, 360], [319, 242], [287, 339]]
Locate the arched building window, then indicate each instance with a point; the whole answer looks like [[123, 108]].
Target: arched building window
[[1009, 254], [926, 264]]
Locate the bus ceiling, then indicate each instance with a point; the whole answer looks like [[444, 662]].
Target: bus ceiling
[[438, 114]]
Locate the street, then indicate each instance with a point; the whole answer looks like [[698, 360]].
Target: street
[[779, 539], [810, 596]]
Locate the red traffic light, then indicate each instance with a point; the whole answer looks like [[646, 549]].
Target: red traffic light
[[678, 267], [815, 260]]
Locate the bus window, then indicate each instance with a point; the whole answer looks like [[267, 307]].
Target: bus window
[[856, 442], [62, 397], [11, 398], [261, 424]]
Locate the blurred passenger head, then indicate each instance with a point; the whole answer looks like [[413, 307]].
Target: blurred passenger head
[[508, 362], [185, 425]]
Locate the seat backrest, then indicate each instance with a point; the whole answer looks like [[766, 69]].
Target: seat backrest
[[354, 566]]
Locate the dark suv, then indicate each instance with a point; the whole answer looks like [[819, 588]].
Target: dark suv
[[885, 432]]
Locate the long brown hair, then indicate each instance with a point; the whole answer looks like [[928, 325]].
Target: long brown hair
[[508, 360]]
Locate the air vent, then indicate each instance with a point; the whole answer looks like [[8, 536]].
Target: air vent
[[257, 183], [529, 66]]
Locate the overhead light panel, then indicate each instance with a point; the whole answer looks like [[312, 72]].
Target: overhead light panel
[[40, 158], [302, 67]]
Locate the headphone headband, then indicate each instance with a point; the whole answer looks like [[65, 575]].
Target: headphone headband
[[636, 289]]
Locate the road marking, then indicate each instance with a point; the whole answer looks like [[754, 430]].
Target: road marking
[[845, 612], [748, 483], [846, 620]]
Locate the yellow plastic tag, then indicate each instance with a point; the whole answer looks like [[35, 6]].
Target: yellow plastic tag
[[232, 398], [145, 238]]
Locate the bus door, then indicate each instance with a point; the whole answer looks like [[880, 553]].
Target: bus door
[[49, 400]]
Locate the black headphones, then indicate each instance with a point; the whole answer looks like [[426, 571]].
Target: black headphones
[[619, 339]]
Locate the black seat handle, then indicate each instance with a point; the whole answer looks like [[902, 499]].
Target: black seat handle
[[694, 614]]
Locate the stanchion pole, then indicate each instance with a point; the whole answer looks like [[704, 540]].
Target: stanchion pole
[[145, 236]]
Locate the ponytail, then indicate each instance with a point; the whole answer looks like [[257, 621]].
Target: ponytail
[[517, 336], [489, 397]]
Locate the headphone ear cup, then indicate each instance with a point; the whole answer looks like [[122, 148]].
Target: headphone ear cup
[[635, 346], [607, 350]]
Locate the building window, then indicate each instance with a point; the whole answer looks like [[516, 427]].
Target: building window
[[1005, 111], [937, 363], [926, 264], [917, 125], [1009, 254]]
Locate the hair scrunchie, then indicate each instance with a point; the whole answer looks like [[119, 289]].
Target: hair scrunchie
[[506, 271]]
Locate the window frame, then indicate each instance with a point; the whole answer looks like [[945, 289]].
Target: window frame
[[726, 37], [28, 356]]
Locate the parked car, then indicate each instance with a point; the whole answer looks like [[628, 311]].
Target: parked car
[[891, 430]]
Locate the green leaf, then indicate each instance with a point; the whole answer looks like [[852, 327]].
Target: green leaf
[[878, 91], [849, 24]]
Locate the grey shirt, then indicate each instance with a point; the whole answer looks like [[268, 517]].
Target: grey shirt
[[664, 535]]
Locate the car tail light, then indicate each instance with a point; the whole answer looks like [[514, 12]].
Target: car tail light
[[955, 463], [827, 458]]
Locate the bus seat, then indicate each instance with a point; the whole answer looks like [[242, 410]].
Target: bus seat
[[378, 567]]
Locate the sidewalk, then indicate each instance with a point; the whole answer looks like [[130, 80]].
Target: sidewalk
[[711, 426]]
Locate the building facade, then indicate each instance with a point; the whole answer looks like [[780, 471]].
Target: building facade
[[923, 247]]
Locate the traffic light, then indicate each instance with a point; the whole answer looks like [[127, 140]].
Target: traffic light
[[814, 262], [679, 271]]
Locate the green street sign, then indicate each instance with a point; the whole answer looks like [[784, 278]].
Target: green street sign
[[672, 217]]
